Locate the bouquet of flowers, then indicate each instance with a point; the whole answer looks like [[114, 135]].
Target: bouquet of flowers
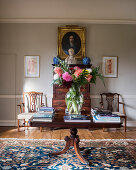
[[74, 78]]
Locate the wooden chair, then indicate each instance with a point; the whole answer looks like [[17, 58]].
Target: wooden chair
[[112, 103], [32, 101]]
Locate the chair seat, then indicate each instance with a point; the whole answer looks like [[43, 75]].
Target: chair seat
[[119, 114], [25, 116]]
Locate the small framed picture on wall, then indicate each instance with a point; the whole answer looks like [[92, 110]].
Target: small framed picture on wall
[[31, 66], [110, 66]]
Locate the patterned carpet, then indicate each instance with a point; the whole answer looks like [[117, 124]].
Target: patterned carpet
[[34, 154]]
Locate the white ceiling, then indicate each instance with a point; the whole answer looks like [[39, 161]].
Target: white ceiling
[[122, 11]]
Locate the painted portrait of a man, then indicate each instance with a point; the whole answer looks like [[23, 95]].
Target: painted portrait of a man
[[71, 40]]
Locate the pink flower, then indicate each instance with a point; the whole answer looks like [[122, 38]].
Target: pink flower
[[78, 72], [58, 71], [89, 77], [76, 68], [66, 76]]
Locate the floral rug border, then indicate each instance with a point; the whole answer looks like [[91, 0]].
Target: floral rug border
[[55, 144], [130, 144]]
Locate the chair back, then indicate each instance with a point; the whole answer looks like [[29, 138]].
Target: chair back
[[110, 101], [32, 101]]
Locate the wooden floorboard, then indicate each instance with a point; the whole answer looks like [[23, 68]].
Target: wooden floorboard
[[97, 134], [55, 134], [34, 133], [63, 133]]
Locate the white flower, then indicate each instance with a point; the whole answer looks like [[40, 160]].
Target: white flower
[[56, 76], [89, 69], [68, 95]]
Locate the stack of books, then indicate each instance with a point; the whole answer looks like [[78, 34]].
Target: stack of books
[[77, 118], [104, 116], [45, 114], [47, 109]]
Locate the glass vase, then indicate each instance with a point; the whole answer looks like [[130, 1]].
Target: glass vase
[[74, 100]]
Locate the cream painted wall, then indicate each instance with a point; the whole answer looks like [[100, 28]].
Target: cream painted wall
[[41, 39], [67, 9]]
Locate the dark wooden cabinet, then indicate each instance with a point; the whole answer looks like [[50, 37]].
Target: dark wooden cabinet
[[59, 93]]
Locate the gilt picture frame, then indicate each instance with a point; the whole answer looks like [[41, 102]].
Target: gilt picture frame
[[32, 66], [71, 37], [110, 66]]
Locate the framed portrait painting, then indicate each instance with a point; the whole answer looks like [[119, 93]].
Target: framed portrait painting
[[71, 37], [31, 66], [110, 66]]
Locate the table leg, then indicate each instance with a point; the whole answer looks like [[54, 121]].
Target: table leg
[[73, 140], [78, 153], [64, 150]]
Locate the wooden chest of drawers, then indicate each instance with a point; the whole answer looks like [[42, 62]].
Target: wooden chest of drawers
[[59, 93]]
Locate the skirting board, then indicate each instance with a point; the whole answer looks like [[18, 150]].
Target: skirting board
[[8, 123], [131, 123], [14, 123]]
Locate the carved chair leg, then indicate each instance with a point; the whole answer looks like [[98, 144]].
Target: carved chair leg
[[27, 124], [40, 129], [125, 124], [18, 125], [105, 129], [24, 124]]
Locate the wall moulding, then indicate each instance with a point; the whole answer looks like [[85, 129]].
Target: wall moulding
[[124, 96], [48, 96], [11, 96], [67, 20]]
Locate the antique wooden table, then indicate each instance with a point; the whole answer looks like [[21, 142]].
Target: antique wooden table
[[73, 139]]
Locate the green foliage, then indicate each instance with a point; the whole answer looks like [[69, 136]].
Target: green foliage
[[81, 80], [95, 73], [58, 81], [64, 66]]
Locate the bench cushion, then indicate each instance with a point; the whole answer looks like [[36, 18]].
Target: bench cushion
[[25, 116]]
